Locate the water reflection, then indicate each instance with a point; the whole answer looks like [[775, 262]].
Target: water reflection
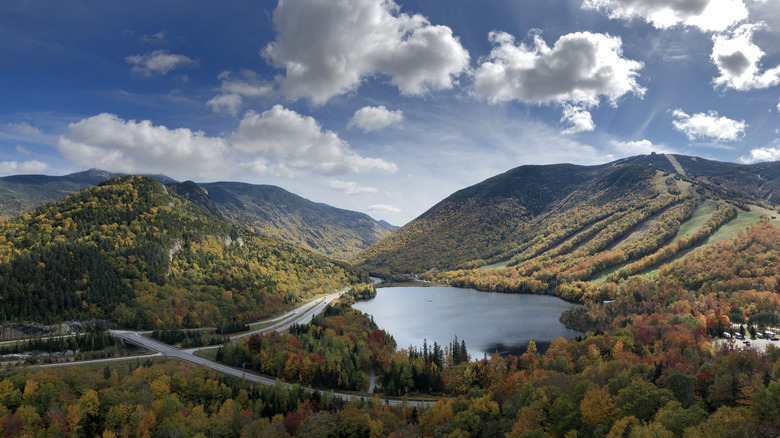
[[487, 322]]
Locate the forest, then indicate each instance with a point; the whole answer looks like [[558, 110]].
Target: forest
[[647, 367], [130, 251], [649, 361]]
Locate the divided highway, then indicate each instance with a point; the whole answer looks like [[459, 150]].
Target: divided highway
[[302, 315]]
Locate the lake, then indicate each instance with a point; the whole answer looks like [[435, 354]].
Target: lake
[[487, 322]]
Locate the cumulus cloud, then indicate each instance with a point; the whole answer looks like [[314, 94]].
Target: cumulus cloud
[[350, 187], [327, 47], [278, 142], [707, 15], [579, 69], [769, 153], [579, 120], [23, 167], [111, 143], [709, 125], [300, 143], [233, 91], [639, 147], [373, 118], [160, 62], [383, 208], [739, 60]]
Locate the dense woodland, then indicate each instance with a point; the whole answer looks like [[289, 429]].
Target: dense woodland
[[648, 369], [527, 209], [275, 212], [130, 251], [334, 351], [649, 362]]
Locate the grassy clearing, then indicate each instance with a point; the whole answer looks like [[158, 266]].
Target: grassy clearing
[[675, 164], [500, 265], [730, 229], [743, 220], [700, 217], [210, 354]]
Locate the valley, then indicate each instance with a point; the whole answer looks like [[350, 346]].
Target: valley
[[655, 256]]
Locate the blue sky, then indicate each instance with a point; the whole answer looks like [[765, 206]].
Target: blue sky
[[380, 106]]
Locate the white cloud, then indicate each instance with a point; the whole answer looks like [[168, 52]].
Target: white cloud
[[763, 154], [350, 187], [24, 167], [107, 142], [383, 208], [708, 125], [22, 150], [578, 119], [639, 147], [156, 38], [299, 142], [327, 47], [24, 128], [159, 61], [778, 107], [277, 142], [579, 69], [234, 90], [739, 60], [226, 103], [248, 85], [707, 15], [372, 118]]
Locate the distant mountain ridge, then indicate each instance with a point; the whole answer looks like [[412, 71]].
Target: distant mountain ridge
[[275, 212], [266, 209]]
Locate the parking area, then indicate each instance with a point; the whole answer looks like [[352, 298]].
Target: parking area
[[755, 344]]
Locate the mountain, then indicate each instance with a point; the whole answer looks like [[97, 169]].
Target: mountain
[[275, 212], [760, 180], [131, 250], [22, 193], [388, 225], [268, 210], [538, 227]]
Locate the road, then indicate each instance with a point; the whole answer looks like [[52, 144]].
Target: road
[[302, 315]]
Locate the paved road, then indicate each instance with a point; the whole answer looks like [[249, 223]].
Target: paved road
[[302, 315]]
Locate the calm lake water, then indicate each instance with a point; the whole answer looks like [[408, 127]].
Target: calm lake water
[[488, 322]]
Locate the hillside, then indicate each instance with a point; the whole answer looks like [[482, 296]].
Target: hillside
[[129, 250], [504, 214], [760, 180], [268, 210], [22, 193], [551, 229], [275, 212]]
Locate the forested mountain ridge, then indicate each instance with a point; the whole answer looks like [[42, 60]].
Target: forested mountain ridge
[[22, 193], [266, 209], [502, 213], [759, 180], [130, 250], [275, 212], [552, 229]]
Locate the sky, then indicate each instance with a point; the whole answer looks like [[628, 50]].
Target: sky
[[379, 106]]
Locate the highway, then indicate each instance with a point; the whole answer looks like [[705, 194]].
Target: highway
[[302, 315]]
